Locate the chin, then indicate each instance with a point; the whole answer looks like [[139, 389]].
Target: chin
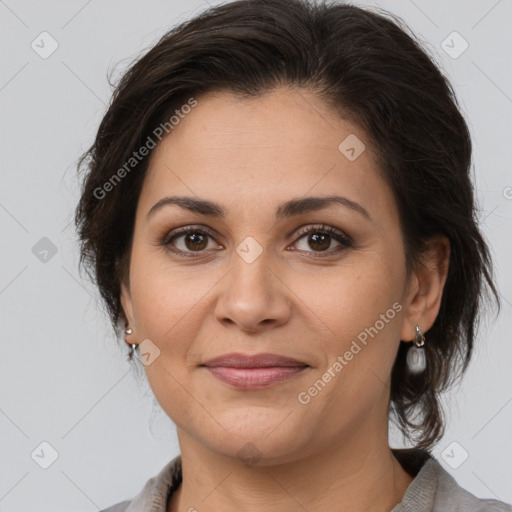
[[266, 443]]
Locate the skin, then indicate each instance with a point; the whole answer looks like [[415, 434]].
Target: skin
[[249, 156]]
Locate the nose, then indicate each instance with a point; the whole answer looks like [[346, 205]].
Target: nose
[[253, 296]]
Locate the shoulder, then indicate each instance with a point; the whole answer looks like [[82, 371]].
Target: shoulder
[[451, 496], [435, 490], [156, 490]]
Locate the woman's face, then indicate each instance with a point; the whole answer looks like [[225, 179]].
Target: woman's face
[[251, 282]]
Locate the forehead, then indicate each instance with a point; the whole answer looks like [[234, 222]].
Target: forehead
[[249, 152]]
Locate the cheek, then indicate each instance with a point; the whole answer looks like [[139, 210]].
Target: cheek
[[172, 392], [352, 300], [363, 315], [160, 297]]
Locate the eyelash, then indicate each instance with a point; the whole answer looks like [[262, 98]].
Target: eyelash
[[323, 229]]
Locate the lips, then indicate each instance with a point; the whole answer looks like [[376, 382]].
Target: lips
[[256, 371], [238, 360], [254, 378]]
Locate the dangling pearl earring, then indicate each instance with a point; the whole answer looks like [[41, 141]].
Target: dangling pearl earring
[[134, 346], [416, 360]]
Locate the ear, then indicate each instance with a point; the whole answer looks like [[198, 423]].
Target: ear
[[126, 303], [425, 288]]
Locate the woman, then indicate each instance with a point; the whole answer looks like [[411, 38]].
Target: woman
[[278, 212]]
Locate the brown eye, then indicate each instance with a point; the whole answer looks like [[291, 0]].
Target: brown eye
[[188, 240], [320, 239], [195, 241]]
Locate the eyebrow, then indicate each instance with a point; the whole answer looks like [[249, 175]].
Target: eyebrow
[[288, 209]]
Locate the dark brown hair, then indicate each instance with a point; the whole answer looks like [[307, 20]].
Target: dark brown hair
[[370, 69]]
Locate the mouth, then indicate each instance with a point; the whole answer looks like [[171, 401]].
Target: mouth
[[256, 371], [255, 378], [265, 360]]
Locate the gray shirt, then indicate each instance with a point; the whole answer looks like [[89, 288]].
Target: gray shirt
[[432, 490]]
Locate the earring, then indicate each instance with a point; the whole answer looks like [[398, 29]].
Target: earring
[[133, 346], [416, 360]]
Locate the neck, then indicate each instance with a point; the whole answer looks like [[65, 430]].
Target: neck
[[353, 477]]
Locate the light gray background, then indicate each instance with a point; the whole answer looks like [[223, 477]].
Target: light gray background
[[64, 380]]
